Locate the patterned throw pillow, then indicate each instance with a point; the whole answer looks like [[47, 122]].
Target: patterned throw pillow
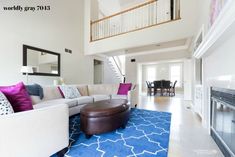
[[5, 106], [70, 92]]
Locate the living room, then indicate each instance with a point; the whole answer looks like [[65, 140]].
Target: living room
[[73, 78]]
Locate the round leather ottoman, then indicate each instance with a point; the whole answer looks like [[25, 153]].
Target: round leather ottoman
[[104, 116]]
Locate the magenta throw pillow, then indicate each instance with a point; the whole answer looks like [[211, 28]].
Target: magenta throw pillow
[[124, 88], [61, 93], [18, 97]]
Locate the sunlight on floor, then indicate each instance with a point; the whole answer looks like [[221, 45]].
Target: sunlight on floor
[[188, 137]]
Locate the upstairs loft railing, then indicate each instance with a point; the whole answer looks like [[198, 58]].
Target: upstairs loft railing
[[152, 13]]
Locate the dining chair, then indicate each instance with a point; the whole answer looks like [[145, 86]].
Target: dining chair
[[149, 88], [166, 86], [172, 90], [157, 86]]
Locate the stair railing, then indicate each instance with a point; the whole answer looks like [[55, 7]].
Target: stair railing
[[119, 69], [149, 14]]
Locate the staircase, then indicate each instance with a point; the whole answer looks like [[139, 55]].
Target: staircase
[[117, 65]]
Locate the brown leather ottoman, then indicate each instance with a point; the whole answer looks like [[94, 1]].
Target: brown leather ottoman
[[104, 116]]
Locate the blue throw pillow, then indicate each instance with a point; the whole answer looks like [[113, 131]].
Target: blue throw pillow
[[35, 90]]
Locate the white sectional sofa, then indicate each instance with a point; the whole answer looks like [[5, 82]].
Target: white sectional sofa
[[90, 94], [36, 133], [44, 131]]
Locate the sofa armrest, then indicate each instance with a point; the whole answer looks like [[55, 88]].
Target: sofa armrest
[[37, 133], [133, 97]]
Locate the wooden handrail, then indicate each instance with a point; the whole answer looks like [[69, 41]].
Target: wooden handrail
[[104, 28], [124, 11]]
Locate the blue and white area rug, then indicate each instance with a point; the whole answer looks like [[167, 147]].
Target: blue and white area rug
[[146, 135]]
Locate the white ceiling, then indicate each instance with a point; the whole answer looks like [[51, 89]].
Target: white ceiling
[[158, 46], [176, 45], [130, 3], [109, 7]]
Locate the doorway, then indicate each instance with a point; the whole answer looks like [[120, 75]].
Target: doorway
[[168, 70], [98, 71]]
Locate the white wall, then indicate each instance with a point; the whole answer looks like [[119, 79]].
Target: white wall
[[162, 72], [108, 74], [219, 63], [55, 30], [132, 67], [167, 32], [95, 10], [203, 15], [98, 73]]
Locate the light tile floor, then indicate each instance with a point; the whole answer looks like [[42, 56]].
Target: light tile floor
[[188, 137]]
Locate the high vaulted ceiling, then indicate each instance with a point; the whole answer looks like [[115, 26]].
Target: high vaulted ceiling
[[130, 3], [109, 7]]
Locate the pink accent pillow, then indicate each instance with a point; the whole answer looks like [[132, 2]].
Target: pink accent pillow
[[124, 88], [61, 93], [18, 97]]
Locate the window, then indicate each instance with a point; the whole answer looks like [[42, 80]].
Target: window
[[151, 73], [176, 74]]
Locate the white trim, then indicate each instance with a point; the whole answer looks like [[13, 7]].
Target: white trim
[[181, 73], [164, 61], [185, 47], [223, 25], [177, 48], [200, 33]]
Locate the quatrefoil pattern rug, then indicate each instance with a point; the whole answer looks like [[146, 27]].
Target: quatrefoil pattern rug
[[146, 135]]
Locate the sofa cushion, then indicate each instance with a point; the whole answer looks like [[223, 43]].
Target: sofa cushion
[[69, 102], [51, 92], [69, 92], [5, 106], [115, 96], [103, 89], [84, 100], [18, 97], [101, 97], [75, 110], [35, 99], [83, 89]]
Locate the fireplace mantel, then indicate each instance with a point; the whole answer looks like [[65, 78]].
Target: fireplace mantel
[[224, 81], [223, 27]]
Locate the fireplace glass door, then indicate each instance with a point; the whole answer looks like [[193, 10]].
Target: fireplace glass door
[[233, 133], [227, 127], [223, 122], [218, 118]]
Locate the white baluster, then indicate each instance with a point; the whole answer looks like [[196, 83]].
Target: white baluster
[[94, 31], [98, 30], [106, 28]]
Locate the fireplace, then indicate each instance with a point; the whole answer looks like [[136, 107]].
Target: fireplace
[[223, 119]]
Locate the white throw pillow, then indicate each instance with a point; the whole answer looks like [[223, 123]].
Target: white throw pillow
[[70, 92], [5, 106]]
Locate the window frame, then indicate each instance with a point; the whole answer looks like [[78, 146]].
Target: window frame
[[155, 73], [180, 82]]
